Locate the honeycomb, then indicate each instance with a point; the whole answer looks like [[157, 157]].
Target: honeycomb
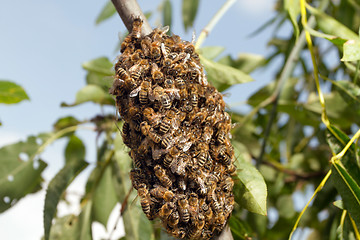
[[177, 130]]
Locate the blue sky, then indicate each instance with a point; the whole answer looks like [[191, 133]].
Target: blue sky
[[42, 46]]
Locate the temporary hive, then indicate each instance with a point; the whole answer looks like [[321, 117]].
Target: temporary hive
[[178, 131]]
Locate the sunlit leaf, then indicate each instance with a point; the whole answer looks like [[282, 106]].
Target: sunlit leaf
[[189, 10], [250, 188], [56, 188], [329, 25], [19, 174], [220, 74], [240, 229], [107, 11], [100, 65], [75, 150], [211, 52], [351, 51], [167, 13], [349, 92], [102, 80], [65, 122], [91, 93], [334, 39], [104, 198], [348, 189], [293, 8], [11, 92], [339, 204]]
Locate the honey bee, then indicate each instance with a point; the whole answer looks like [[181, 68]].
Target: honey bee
[[169, 158], [189, 48], [161, 96], [146, 45], [215, 205], [193, 206], [228, 184], [220, 221], [136, 29], [167, 141], [203, 153], [199, 117], [196, 229], [179, 233], [186, 106], [166, 210], [199, 181], [126, 44], [229, 205], [173, 219], [207, 134], [155, 51], [147, 130], [184, 209], [135, 158], [126, 134], [162, 176], [179, 164], [158, 33], [165, 124], [162, 193], [208, 213], [231, 169], [123, 75], [156, 74], [143, 90], [153, 118], [145, 200], [194, 96], [136, 177]]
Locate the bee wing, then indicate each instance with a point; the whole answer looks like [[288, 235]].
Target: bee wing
[[186, 146], [157, 152], [162, 46], [135, 92], [164, 29]]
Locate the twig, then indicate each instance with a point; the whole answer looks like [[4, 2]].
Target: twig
[[208, 28], [128, 10]]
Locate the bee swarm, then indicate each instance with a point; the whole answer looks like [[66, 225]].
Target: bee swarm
[[178, 131]]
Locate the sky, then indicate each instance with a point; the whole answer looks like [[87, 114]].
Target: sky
[[42, 46]]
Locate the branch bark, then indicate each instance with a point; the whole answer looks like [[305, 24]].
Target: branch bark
[[128, 10]]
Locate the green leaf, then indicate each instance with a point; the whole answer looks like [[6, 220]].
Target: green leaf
[[338, 41], [349, 92], [107, 11], [240, 229], [85, 222], [99, 79], [211, 52], [250, 191], [104, 198], [248, 62], [75, 150], [19, 174], [351, 51], [189, 10], [329, 25], [167, 13], [65, 228], [11, 92], [91, 93], [65, 122], [339, 204], [218, 74], [100, 65], [136, 224], [348, 189], [293, 8], [285, 206], [56, 188]]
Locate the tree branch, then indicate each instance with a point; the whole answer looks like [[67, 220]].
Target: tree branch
[[128, 10]]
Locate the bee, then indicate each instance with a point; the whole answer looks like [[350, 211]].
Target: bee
[[199, 117], [166, 123], [229, 205], [145, 200], [156, 73], [199, 180], [184, 209], [136, 177], [194, 96], [189, 48], [126, 44], [228, 184], [136, 29], [162, 176], [193, 206], [223, 129], [179, 164], [126, 134], [147, 130], [215, 205], [177, 232], [203, 153], [196, 229], [186, 106], [208, 213], [210, 103], [166, 210], [194, 74], [173, 219], [155, 51], [158, 33], [153, 118], [162, 193], [169, 158], [231, 169], [207, 133], [135, 158], [161, 96], [143, 90], [123, 75], [220, 221], [146, 45]]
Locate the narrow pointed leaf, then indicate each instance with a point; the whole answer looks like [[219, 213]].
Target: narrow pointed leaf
[[211, 52], [107, 12], [65, 122], [293, 8], [167, 13], [75, 150], [56, 188], [91, 93], [349, 92], [189, 10], [11, 92], [349, 191], [19, 174]]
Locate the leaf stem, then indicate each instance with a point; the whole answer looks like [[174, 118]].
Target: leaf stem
[[209, 27], [128, 10]]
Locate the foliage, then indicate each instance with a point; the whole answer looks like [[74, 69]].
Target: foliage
[[296, 125]]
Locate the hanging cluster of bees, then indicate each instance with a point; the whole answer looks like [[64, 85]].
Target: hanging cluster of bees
[[178, 131]]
